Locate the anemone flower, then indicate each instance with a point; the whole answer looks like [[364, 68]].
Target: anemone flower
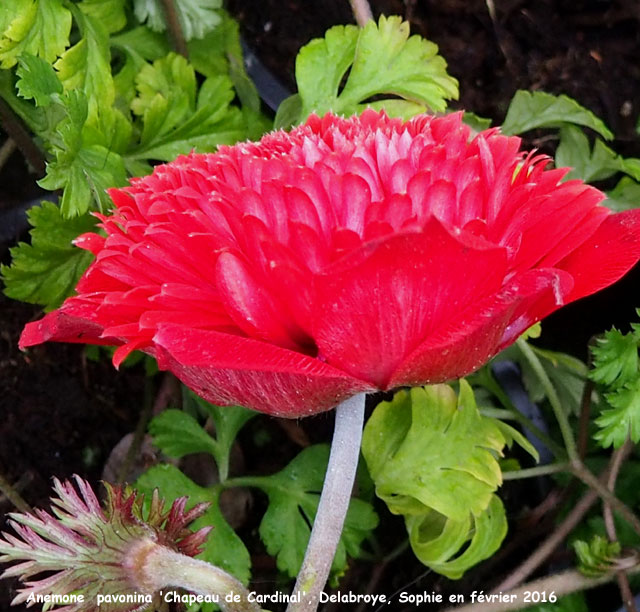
[[345, 256]]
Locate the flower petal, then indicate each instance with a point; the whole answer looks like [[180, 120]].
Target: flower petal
[[227, 369], [375, 307], [470, 340], [606, 256]]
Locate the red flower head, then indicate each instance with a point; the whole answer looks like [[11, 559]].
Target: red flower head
[[346, 255]]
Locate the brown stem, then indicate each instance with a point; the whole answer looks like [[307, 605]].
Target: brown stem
[[13, 496], [617, 460], [175, 28], [525, 569], [16, 130], [579, 470], [7, 148], [540, 555], [558, 584], [361, 11]]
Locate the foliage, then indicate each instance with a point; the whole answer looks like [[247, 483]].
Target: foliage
[[432, 457], [106, 98], [597, 557], [377, 60], [615, 368]]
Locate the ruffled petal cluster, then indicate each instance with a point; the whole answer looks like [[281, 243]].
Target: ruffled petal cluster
[[346, 255], [87, 551]]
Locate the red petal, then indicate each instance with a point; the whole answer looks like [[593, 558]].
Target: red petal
[[471, 339], [227, 369], [606, 256], [374, 307], [71, 324]]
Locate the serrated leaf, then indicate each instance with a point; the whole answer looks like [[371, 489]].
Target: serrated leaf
[[436, 540], [37, 80], [223, 547], [294, 494], [615, 359], [537, 109], [197, 17], [428, 448], [174, 120], [85, 176], [622, 420], [39, 27], [109, 13], [86, 66], [381, 59], [46, 271]]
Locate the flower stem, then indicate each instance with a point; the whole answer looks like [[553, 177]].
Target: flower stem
[[361, 11], [552, 395], [334, 503], [160, 567]]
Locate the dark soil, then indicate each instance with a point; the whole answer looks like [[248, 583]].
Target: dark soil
[[62, 414]]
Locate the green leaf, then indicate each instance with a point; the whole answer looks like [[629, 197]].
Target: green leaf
[[37, 80], [381, 59], [197, 17], [110, 13], [567, 374], [428, 448], [537, 109], [174, 120], [294, 494], [597, 557], [436, 540], [622, 420], [177, 433], [289, 112], [86, 66], [46, 271], [574, 152], [39, 27], [624, 196], [223, 547], [615, 358], [476, 122]]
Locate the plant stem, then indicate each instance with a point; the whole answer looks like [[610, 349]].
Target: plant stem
[[156, 567], [13, 496], [579, 470], [558, 584], [16, 130], [7, 148], [361, 11], [540, 470], [554, 400], [490, 383], [333, 506], [175, 28], [617, 459]]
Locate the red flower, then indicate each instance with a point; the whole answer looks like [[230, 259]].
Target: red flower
[[344, 256]]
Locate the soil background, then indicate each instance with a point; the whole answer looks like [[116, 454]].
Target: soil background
[[61, 413]]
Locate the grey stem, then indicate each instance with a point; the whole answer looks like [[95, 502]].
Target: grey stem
[[334, 503]]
